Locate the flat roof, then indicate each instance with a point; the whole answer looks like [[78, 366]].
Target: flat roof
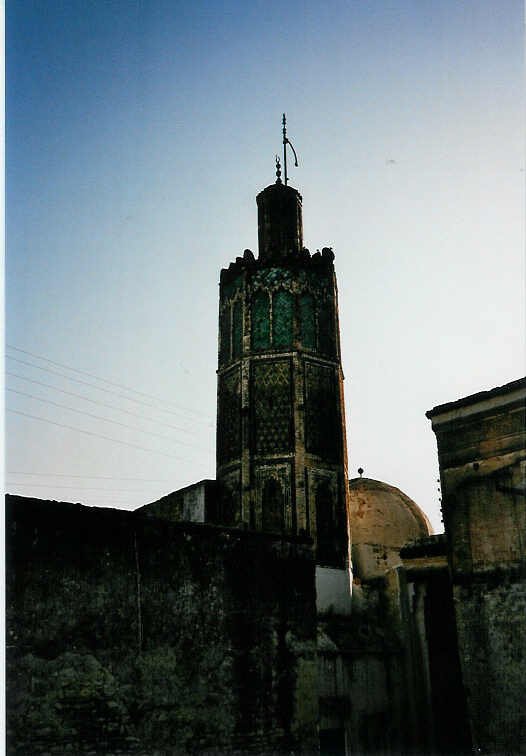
[[481, 396]]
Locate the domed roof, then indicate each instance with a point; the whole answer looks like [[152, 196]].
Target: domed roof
[[382, 514]]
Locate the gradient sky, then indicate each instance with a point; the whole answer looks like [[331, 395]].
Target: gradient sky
[[139, 133]]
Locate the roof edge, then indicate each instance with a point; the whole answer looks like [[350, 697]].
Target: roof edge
[[480, 396]]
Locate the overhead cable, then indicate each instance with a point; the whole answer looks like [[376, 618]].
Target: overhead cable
[[104, 380], [96, 435]]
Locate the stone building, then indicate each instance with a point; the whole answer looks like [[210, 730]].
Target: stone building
[[220, 618], [482, 454]]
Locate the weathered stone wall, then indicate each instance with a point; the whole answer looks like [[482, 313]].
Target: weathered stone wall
[[492, 637], [482, 454], [361, 674], [130, 635], [487, 525]]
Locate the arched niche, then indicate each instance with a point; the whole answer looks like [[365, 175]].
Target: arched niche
[[272, 505]]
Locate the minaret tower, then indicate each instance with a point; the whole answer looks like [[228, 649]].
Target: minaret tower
[[281, 449]]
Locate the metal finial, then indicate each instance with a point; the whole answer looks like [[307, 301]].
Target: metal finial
[[286, 142], [278, 171], [360, 471]]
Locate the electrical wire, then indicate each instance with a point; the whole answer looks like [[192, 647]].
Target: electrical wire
[[90, 477], [100, 404], [79, 488], [105, 420], [107, 391], [96, 435], [104, 380]]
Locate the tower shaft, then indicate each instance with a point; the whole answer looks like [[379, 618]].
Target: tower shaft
[[281, 450]]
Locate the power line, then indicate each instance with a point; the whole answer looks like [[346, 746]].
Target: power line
[[104, 419], [96, 435], [100, 404], [103, 380], [90, 477], [107, 391], [79, 488]]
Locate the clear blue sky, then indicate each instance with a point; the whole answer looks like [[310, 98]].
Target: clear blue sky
[[138, 134]]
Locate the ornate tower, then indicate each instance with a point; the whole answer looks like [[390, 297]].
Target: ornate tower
[[281, 449]]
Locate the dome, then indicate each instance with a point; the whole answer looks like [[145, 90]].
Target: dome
[[381, 513], [382, 520]]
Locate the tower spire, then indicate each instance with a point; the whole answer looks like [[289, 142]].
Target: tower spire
[[278, 171], [286, 142]]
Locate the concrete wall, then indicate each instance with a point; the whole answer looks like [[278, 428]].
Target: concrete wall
[[126, 634]]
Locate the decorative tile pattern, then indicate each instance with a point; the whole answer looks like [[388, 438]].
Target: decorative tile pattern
[[229, 416], [272, 278], [323, 506], [231, 288], [307, 313], [272, 407], [224, 336], [322, 426], [237, 329], [327, 335], [261, 321], [282, 319]]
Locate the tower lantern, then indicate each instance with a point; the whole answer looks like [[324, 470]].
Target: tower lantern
[[280, 222]]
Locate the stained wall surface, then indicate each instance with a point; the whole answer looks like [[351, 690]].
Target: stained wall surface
[[126, 634], [482, 455]]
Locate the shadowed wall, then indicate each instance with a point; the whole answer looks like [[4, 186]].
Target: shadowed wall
[[127, 634]]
